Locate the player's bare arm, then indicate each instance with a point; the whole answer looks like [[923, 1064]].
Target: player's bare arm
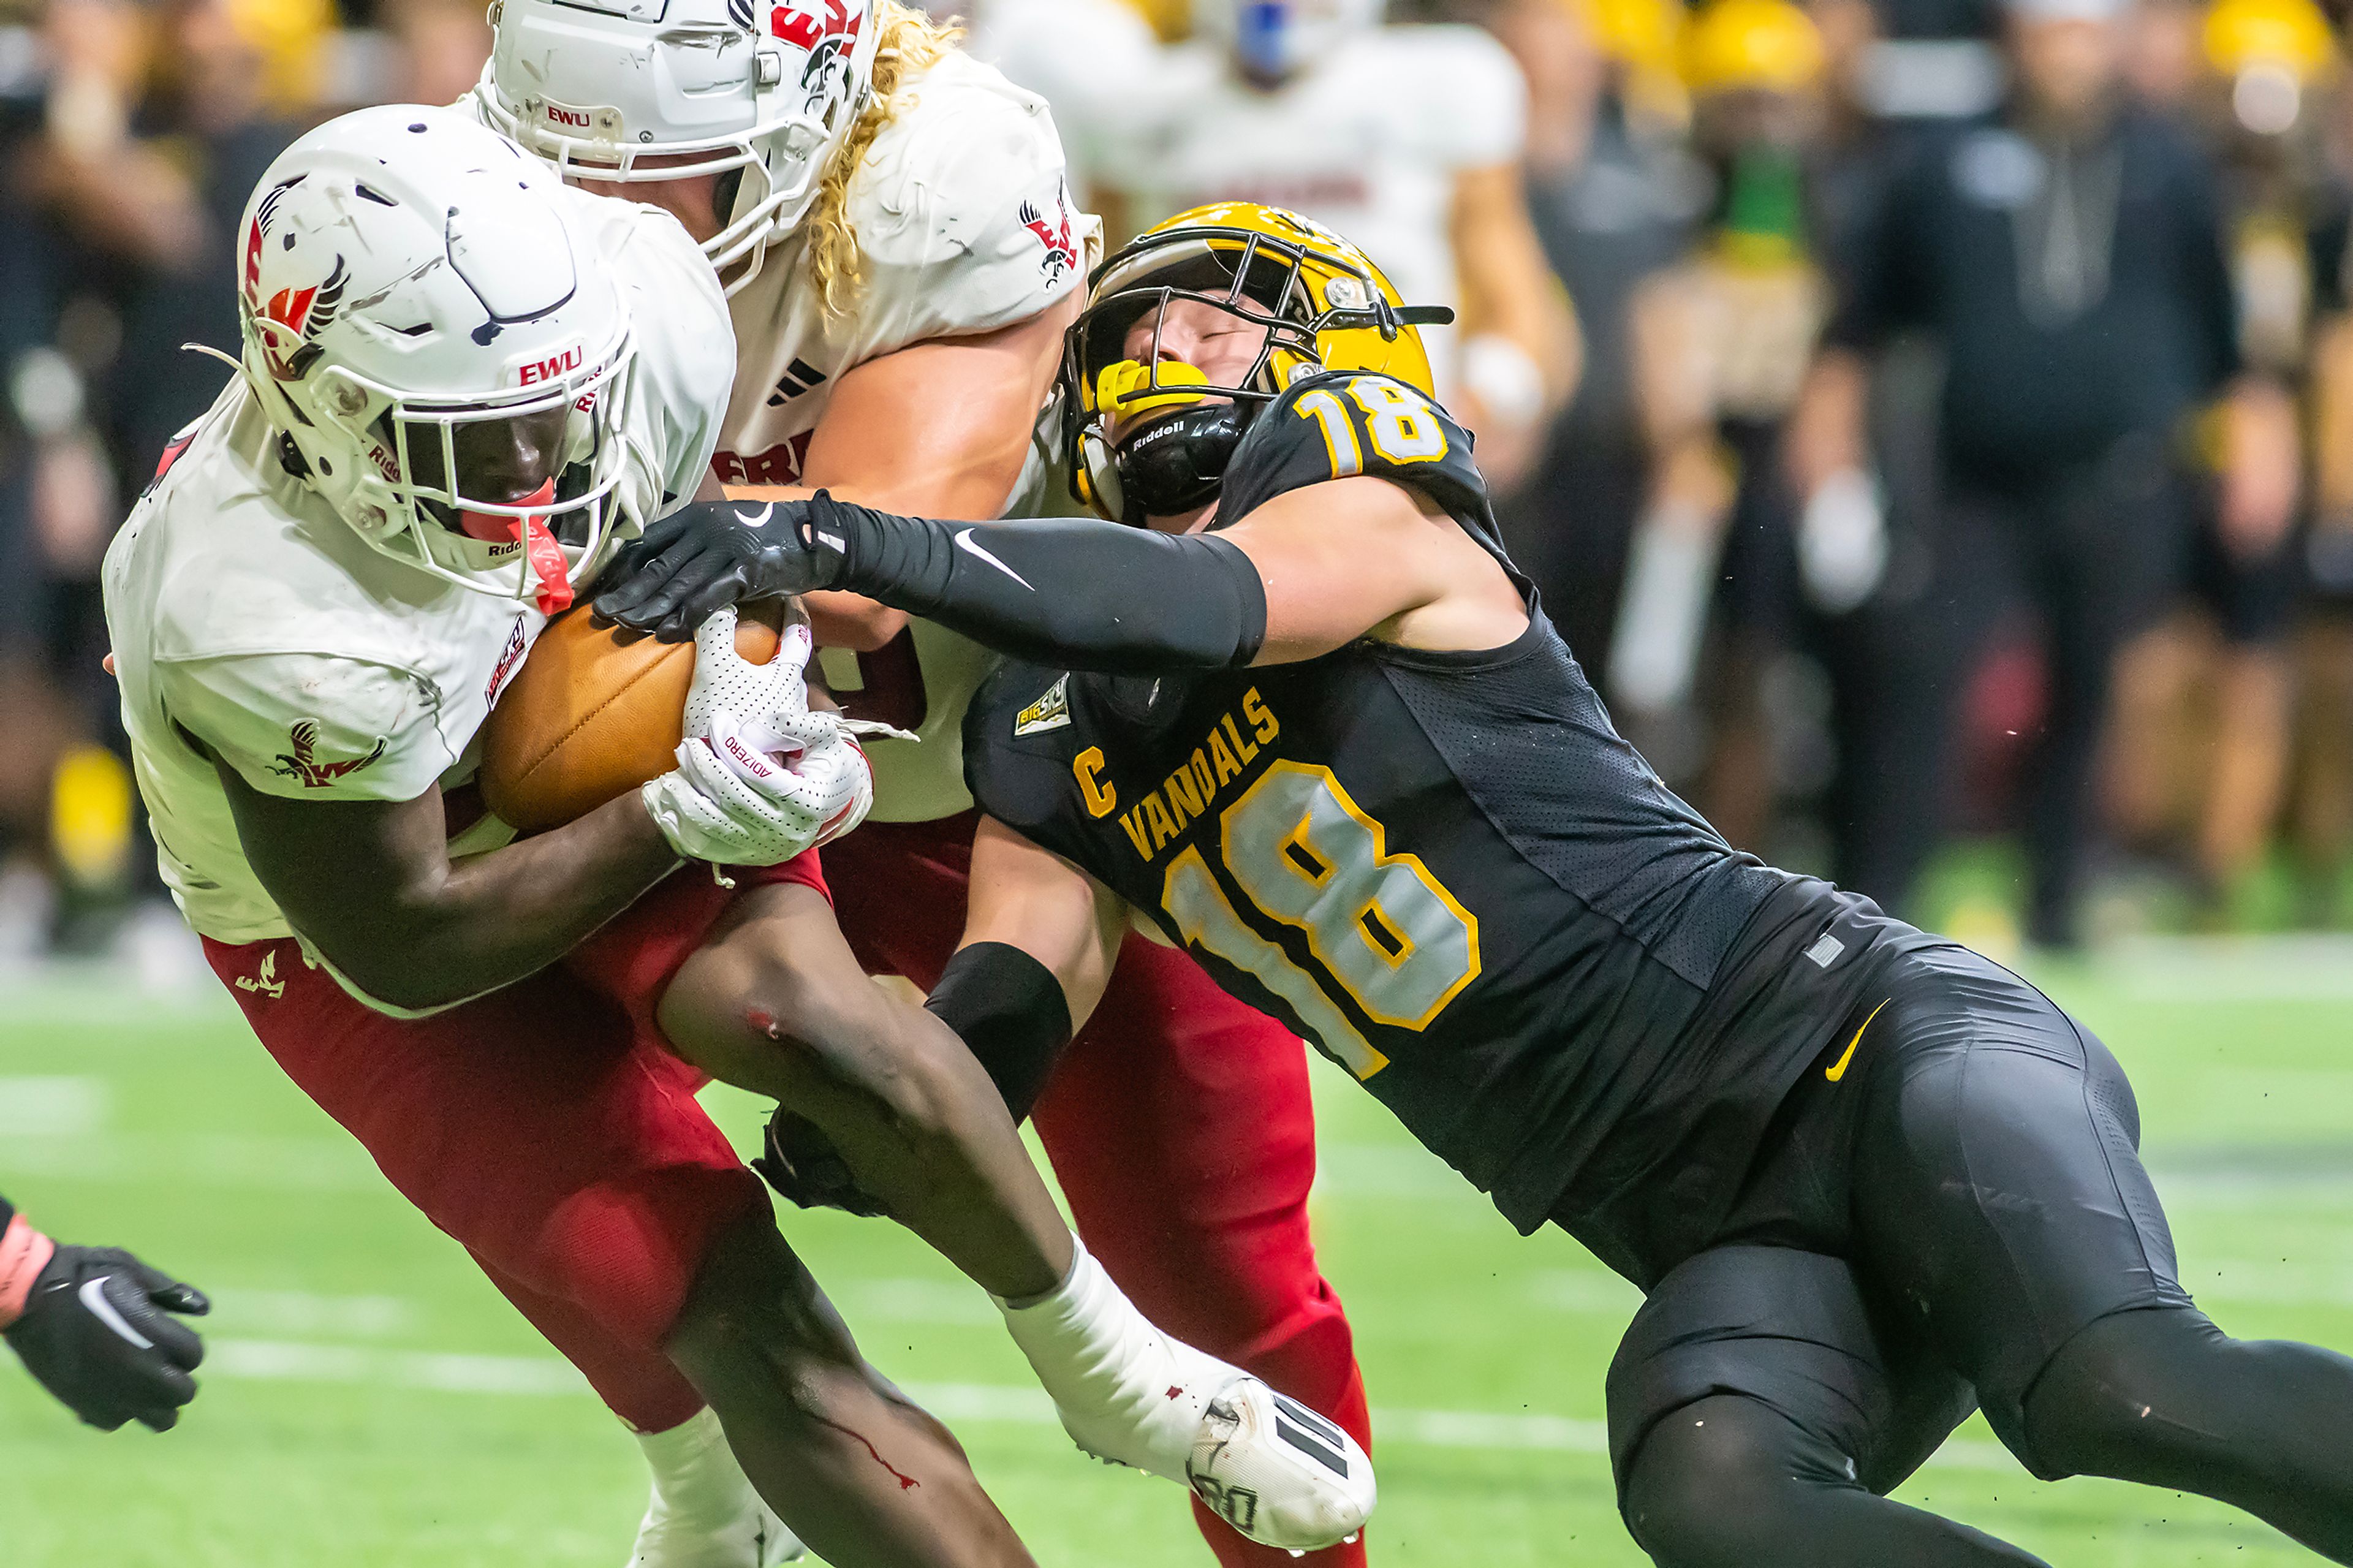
[[980, 396], [371, 884], [1303, 573], [1034, 901], [1521, 350], [1365, 557], [1040, 939]]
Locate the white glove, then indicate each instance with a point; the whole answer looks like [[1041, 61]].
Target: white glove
[[759, 778], [1842, 541]]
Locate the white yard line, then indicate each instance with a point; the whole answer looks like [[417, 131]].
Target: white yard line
[[282, 1162], [974, 1403], [309, 1313], [2315, 966], [54, 1105]]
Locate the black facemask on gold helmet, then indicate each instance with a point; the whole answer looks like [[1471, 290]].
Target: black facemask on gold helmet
[[1320, 301]]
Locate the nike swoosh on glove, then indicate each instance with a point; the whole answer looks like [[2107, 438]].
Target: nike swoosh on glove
[[98, 1331], [707, 555]]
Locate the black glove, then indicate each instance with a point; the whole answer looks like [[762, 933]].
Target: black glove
[[95, 1333], [803, 1165], [710, 555], [1074, 593]]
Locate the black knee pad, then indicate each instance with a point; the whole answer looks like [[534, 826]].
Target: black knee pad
[[2098, 1405], [1793, 1332], [1710, 1483]]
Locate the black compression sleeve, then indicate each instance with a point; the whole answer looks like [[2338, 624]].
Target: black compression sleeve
[[7, 1213], [1063, 591], [1010, 1013]]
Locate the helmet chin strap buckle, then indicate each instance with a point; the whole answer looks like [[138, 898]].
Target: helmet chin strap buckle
[[544, 555]]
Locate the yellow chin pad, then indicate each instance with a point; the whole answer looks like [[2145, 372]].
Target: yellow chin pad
[[1127, 388]]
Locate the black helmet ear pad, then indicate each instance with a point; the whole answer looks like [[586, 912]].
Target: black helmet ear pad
[[1177, 462]]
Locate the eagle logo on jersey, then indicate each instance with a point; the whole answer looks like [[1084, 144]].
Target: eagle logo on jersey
[[303, 762], [264, 980], [1062, 251]]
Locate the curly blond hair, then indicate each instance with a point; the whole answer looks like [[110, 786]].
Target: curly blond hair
[[910, 43]]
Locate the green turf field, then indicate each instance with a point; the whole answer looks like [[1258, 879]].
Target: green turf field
[[371, 1402]]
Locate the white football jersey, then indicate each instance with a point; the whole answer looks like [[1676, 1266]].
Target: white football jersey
[[1366, 141], [965, 224], [1094, 61], [244, 612]]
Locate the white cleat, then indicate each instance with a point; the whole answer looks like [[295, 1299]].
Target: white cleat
[[1277, 1472], [1129, 1394], [703, 1512]]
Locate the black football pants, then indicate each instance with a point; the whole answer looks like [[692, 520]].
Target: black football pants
[[1959, 1217]]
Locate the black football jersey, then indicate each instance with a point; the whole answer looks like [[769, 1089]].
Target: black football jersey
[[1445, 870]]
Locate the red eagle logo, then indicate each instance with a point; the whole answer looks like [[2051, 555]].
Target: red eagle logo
[[1062, 251], [292, 317], [805, 29], [303, 762]]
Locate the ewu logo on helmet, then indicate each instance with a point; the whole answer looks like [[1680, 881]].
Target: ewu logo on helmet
[[829, 30], [297, 313], [806, 28], [554, 367]]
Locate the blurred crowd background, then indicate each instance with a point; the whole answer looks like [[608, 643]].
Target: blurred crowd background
[[1930, 421]]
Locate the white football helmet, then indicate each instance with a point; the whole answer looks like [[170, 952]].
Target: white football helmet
[[434, 331], [1274, 40], [661, 89]]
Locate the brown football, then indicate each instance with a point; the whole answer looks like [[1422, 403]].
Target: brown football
[[595, 712]]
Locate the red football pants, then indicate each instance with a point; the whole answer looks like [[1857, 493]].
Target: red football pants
[[1180, 1126], [545, 1126]]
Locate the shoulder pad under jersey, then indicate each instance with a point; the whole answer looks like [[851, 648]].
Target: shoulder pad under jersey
[[1341, 423]]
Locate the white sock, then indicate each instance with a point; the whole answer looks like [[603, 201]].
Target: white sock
[[705, 1512], [1127, 1392]]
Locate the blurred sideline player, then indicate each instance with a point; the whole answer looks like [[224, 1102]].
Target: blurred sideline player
[[1322, 733], [1406, 139], [1720, 343], [892, 225], [461, 382], [2201, 735], [95, 1326]]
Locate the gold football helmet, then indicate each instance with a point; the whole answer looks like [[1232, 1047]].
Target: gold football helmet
[[1757, 46], [1324, 305]]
